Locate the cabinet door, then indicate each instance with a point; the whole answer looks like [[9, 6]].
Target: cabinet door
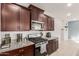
[[24, 19], [10, 17], [45, 24], [52, 27], [43, 18], [52, 46], [29, 51], [35, 12], [50, 24], [40, 15], [0, 16], [13, 52]]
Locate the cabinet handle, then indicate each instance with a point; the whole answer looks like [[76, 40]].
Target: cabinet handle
[[21, 50]]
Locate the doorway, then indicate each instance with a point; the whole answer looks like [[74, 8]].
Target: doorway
[[73, 30]]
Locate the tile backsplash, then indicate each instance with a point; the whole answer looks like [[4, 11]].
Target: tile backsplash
[[24, 33], [13, 34]]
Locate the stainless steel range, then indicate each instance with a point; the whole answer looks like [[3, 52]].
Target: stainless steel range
[[40, 43], [37, 39]]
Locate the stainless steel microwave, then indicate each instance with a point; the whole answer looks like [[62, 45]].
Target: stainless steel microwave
[[36, 25]]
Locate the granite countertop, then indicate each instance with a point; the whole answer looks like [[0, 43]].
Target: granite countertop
[[16, 46], [51, 38]]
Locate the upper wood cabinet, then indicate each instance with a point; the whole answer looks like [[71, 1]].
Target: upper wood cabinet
[[45, 22], [50, 23], [24, 19], [10, 17], [0, 16], [35, 13], [18, 18], [14, 17]]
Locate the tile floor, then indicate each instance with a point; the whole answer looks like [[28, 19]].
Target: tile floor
[[67, 48]]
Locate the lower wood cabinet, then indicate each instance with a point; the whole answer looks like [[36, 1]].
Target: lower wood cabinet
[[29, 51], [25, 51], [52, 46]]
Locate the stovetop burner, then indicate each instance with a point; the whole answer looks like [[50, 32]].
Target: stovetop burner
[[37, 40]]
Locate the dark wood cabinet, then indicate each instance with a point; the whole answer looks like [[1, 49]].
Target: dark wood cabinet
[[50, 23], [18, 18], [14, 17], [24, 19], [25, 51], [10, 17], [45, 22], [52, 46], [35, 13], [0, 16]]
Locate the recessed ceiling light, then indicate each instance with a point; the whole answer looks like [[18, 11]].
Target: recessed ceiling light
[[68, 14], [69, 5]]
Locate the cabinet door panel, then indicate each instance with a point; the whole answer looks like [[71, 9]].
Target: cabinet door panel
[[45, 24], [34, 13], [24, 19], [50, 24], [43, 19], [10, 17], [52, 46], [0, 16], [29, 51]]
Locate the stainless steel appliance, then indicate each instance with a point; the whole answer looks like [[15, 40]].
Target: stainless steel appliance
[[40, 43], [37, 39], [36, 25]]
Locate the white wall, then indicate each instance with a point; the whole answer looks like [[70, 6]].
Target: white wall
[[65, 22]]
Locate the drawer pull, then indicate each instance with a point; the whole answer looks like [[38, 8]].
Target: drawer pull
[[21, 50]]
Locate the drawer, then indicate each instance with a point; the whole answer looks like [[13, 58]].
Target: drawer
[[29, 51]]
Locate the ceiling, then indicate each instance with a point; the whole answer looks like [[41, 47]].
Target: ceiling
[[59, 10]]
